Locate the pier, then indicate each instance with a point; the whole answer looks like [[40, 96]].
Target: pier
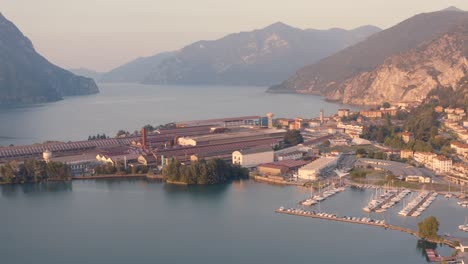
[[299, 212]]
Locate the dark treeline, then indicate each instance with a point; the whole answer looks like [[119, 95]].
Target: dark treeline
[[204, 172], [34, 171], [98, 136]]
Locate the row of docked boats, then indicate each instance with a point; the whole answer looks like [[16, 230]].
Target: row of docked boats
[[303, 212], [321, 197], [380, 202], [418, 204], [463, 203], [394, 200]]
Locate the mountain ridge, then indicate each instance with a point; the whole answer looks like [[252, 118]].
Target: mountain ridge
[[28, 77], [259, 57], [329, 76]]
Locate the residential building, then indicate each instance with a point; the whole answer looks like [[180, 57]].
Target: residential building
[[406, 154], [439, 109], [389, 111], [343, 112], [371, 113], [425, 158], [460, 148], [249, 158], [442, 164], [407, 136], [338, 142]]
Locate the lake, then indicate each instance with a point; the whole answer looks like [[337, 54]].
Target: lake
[[131, 106], [112, 221]]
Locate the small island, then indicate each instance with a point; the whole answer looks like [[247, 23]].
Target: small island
[[215, 171]]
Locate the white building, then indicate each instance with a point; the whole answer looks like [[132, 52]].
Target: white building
[[295, 155], [313, 170], [442, 164], [460, 148], [249, 158], [425, 158]]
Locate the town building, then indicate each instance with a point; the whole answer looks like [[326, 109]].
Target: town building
[[407, 136], [316, 168], [392, 111], [371, 113], [406, 154], [424, 158], [460, 148], [420, 179], [338, 142], [343, 112], [250, 158], [442, 164], [439, 109]]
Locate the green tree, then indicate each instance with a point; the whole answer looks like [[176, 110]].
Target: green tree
[[386, 105], [293, 137], [428, 228]]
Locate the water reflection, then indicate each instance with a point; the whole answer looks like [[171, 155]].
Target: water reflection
[[422, 245], [34, 188]]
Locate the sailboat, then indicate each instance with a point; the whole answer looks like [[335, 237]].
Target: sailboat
[[464, 227], [449, 194]]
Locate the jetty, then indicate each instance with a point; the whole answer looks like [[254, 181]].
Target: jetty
[[358, 220]]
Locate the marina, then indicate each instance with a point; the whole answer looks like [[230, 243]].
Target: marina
[[418, 204], [312, 200]]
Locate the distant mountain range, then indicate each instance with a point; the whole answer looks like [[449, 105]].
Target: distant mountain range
[[27, 77], [403, 63], [136, 70], [260, 57]]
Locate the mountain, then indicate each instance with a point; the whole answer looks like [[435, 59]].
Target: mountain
[[259, 57], [26, 76], [136, 70], [453, 8], [338, 76], [411, 76], [88, 73]]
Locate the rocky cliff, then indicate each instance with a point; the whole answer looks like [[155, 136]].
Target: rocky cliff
[[412, 75], [391, 65]]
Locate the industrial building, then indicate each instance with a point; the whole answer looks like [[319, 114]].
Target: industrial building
[[249, 158], [280, 167], [232, 137], [316, 168], [224, 122], [211, 151]]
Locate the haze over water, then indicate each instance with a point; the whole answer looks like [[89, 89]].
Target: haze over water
[[131, 106]]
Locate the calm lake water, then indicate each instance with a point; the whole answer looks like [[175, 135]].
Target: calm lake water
[[141, 222], [131, 106]]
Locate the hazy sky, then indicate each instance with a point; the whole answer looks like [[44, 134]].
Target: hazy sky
[[102, 34]]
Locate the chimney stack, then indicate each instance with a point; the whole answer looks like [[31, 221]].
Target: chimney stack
[[143, 138]]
